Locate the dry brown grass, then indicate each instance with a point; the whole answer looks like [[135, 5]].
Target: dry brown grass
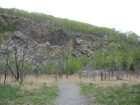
[[31, 82]]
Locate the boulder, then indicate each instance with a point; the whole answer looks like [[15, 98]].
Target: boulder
[[19, 36], [79, 41]]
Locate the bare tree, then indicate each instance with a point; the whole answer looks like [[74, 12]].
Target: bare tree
[[16, 58], [5, 55]]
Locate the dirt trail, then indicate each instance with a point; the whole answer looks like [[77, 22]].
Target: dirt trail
[[70, 95]]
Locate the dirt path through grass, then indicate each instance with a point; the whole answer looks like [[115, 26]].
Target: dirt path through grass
[[70, 95]]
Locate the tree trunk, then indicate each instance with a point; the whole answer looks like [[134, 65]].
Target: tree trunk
[[67, 69], [59, 74], [37, 71], [16, 63], [105, 76], [18, 76], [112, 73], [127, 75], [5, 74], [93, 76], [56, 75], [101, 76], [21, 79], [80, 75]]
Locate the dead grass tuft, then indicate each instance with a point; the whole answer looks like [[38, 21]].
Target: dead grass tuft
[[33, 82]]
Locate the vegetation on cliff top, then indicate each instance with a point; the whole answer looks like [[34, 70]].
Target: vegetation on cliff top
[[68, 25]]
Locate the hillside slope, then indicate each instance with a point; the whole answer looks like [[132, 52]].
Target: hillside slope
[[72, 44]]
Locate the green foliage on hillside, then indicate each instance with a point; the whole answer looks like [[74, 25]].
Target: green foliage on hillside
[[6, 27], [118, 57], [122, 51], [71, 25]]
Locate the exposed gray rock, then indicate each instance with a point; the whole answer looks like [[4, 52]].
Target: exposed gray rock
[[76, 54], [19, 36], [39, 58], [79, 41]]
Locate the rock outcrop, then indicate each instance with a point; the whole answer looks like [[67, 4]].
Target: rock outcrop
[[44, 40], [38, 32]]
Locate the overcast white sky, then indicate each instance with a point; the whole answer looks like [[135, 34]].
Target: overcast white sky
[[124, 15]]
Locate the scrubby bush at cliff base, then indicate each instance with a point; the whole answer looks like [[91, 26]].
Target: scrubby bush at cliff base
[[74, 65], [117, 95], [16, 96], [84, 60]]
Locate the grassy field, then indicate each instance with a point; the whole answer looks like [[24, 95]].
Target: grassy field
[[43, 89], [15, 95], [122, 94]]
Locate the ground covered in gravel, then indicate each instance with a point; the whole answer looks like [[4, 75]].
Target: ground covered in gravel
[[70, 95]]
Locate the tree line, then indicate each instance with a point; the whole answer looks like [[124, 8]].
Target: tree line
[[118, 57], [69, 25]]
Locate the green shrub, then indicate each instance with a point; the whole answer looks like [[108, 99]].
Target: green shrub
[[97, 46], [84, 60], [11, 24], [74, 65], [1, 29]]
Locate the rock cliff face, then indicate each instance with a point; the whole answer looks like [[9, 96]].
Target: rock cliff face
[[38, 32], [87, 44], [48, 41]]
